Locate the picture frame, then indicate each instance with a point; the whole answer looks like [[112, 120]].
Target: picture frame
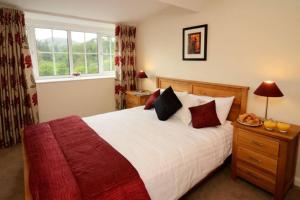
[[194, 43]]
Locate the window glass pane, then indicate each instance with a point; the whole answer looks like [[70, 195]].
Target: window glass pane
[[62, 64], [85, 55], [45, 62], [106, 63], [77, 42], [91, 42], [92, 63], [60, 41], [105, 44], [112, 46], [43, 39], [113, 63], [79, 63]]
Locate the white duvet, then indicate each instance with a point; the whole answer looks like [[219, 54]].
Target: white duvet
[[169, 156]]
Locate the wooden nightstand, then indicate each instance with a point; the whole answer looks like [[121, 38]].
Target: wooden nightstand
[[134, 98], [265, 158]]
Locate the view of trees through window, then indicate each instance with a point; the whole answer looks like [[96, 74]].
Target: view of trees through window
[[60, 53]]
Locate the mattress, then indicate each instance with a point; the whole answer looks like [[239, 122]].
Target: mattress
[[169, 156]]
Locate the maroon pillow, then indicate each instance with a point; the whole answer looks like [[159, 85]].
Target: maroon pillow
[[205, 115], [149, 103]]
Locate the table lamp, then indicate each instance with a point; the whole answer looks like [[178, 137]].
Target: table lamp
[[140, 75], [268, 89]]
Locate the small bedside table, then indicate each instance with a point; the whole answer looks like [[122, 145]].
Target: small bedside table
[[134, 98], [265, 158]]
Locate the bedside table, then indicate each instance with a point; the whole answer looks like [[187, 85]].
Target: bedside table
[[134, 98], [265, 158]]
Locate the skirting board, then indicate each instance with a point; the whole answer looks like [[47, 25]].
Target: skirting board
[[297, 181]]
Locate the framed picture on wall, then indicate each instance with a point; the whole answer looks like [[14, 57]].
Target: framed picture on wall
[[194, 43]]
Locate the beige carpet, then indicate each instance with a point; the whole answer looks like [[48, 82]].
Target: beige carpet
[[219, 186]]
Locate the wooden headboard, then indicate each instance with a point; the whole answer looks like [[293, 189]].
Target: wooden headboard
[[240, 93]]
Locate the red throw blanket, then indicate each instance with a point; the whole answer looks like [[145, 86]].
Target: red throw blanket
[[68, 160]]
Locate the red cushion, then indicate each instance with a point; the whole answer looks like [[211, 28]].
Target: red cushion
[[205, 115], [151, 99]]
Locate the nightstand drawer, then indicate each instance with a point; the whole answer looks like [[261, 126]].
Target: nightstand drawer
[[257, 160], [258, 143], [256, 176], [132, 100]]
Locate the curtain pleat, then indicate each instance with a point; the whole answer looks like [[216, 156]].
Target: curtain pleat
[[18, 96], [125, 62]]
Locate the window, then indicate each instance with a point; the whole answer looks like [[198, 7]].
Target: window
[[64, 53], [52, 52]]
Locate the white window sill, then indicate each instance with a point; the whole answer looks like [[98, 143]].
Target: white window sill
[[53, 80]]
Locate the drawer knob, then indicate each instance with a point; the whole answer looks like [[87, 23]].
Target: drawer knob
[[257, 143]]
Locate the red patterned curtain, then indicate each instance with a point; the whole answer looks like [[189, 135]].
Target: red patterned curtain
[[18, 97], [125, 62]]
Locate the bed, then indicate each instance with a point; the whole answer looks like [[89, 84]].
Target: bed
[[170, 157]]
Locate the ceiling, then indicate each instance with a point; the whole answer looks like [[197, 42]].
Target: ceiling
[[130, 11], [193, 5]]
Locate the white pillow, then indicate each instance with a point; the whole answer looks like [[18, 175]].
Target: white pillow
[[223, 105], [184, 113]]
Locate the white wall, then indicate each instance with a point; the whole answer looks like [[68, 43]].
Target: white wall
[[248, 42], [80, 97]]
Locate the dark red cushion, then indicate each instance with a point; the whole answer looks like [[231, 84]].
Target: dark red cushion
[[205, 115], [149, 104]]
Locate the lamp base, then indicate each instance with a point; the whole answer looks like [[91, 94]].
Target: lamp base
[[267, 105]]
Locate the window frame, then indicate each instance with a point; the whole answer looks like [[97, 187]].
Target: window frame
[[99, 31]]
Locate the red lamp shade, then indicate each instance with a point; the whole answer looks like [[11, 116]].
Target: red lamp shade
[[268, 89], [141, 74]]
